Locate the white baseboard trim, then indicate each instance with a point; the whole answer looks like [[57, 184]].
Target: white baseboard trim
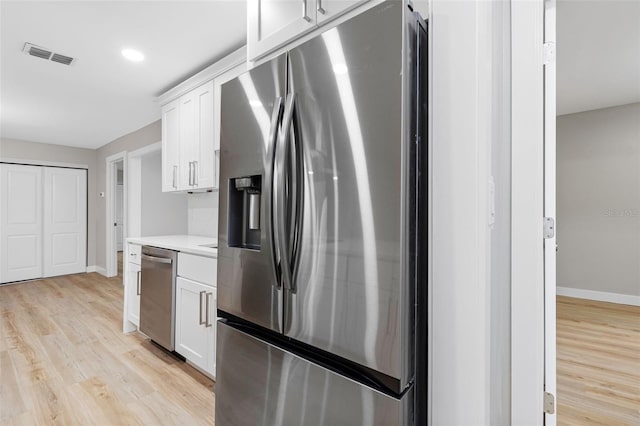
[[601, 296], [98, 269]]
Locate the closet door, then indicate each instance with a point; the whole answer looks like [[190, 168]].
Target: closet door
[[20, 222], [65, 221]]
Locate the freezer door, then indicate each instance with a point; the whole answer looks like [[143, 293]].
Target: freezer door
[[247, 283], [262, 384], [352, 292]]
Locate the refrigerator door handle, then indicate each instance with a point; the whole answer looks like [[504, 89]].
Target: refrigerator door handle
[[283, 154], [276, 116], [296, 189]]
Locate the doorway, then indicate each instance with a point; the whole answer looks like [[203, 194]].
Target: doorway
[[598, 212], [116, 217]]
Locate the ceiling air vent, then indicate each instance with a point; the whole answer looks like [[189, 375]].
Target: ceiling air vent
[[42, 53]]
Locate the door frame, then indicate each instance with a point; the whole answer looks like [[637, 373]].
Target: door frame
[[134, 188], [111, 181], [533, 197]]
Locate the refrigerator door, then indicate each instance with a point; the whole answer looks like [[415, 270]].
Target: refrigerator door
[[352, 288], [262, 384], [248, 284]]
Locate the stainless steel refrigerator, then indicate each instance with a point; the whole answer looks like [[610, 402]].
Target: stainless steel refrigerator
[[323, 230]]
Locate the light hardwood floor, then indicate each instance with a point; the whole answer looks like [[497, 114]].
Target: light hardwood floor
[[598, 363], [64, 360]]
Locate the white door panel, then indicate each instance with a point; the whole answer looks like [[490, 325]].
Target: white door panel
[[20, 222], [65, 222]]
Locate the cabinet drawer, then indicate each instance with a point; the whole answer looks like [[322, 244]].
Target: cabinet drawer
[[134, 253], [198, 268]]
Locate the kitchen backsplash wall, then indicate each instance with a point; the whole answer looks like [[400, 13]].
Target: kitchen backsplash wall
[[203, 214]]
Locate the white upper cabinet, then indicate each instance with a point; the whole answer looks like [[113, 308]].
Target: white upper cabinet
[[204, 144], [170, 146], [188, 141], [274, 23], [327, 9], [191, 127]]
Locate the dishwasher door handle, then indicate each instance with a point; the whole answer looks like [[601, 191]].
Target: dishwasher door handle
[[156, 259]]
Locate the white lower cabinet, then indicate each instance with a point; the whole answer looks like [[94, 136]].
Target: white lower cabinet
[[195, 332], [132, 287]]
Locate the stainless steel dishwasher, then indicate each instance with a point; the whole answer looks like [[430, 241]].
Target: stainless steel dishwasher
[[157, 295]]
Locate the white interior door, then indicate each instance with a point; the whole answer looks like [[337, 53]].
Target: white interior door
[[550, 210], [119, 217], [20, 222], [65, 221]]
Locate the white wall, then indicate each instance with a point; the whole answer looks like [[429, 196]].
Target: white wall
[[130, 142], [203, 214], [598, 180], [162, 213]]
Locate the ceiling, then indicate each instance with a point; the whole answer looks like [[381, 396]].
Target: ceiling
[[103, 96], [598, 54]]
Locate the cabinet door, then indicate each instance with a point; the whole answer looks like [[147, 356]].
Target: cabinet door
[[195, 326], [20, 222], [187, 141], [329, 9], [204, 137], [132, 287], [211, 306], [65, 221], [170, 146], [272, 23]]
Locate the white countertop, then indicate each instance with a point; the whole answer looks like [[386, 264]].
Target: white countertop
[[184, 243]]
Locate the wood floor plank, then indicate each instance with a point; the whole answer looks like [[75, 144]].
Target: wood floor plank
[[12, 403], [598, 363], [64, 360]]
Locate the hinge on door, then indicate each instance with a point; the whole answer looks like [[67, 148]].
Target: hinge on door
[[549, 53], [549, 403], [549, 227]]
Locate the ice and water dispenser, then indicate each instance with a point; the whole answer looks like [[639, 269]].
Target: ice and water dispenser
[[244, 211]]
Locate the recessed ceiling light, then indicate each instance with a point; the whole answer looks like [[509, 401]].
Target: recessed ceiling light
[[132, 55]]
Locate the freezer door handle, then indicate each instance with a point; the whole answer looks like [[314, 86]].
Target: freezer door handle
[[276, 116]]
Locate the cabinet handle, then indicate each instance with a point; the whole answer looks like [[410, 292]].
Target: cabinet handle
[[305, 15], [207, 323], [175, 177], [190, 164], [195, 173], [138, 283], [320, 8], [200, 313]]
